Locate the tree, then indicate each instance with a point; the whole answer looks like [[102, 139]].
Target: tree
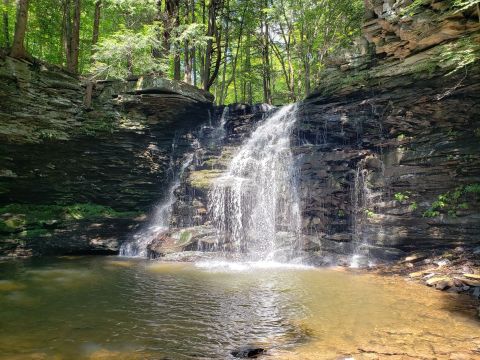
[[266, 66], [96, 23], [240, 50], [172, 21], [213, 33], [18, 47], [128, 52], [71, 34], [6, 30]]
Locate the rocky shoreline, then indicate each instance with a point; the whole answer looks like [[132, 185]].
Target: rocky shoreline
[[453, 271]]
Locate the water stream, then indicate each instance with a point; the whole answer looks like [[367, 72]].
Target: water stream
[[159, 221]]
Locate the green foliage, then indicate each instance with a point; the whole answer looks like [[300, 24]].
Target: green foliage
[[401, 196], [25, 217], [369, 213], [191, 34], [452, 201], [302, 35], [456, 5], [51, 134], [128, 52], [472, 188]]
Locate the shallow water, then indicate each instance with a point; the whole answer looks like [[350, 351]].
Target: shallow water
[[111, 308]]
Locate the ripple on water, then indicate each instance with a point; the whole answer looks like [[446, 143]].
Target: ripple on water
[[223, 265], [205, 310]]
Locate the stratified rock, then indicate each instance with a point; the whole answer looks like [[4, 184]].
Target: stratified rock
[[116, 154]]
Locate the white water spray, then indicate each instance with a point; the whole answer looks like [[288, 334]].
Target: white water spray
[[255, 206], [160, 221]]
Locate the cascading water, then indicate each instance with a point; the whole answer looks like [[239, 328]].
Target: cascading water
[[362, 198], [159, 223], [255, 206]]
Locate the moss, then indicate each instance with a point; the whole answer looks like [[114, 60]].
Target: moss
[[18, 217], [203, 179], [51, 134], [93, 127], [185, 236], [34, 233]]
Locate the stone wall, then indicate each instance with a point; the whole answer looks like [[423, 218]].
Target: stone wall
[[111, 159]]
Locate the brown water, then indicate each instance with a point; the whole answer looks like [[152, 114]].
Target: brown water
[[111, 308]]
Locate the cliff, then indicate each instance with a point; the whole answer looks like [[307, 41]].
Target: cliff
[[77, 175], [387, 146], [391, 162]]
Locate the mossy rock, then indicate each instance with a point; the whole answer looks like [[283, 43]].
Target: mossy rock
[[203, 179], [28, 217]]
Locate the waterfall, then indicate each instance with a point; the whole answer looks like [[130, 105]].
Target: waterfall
[[361, 198], [159, 222], [255, 206]]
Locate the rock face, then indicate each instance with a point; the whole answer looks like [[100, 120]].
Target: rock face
[[399, 28], [388, 149], [391, 160], [116, 154], [216, 148]]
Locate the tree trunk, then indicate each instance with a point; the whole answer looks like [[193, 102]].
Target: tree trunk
[[172, 20], [67, 31], [75, 41], [176, 59], [248, 68], [157, 51], [209, 50], [223, 91], [212, 32], [18, 48], [87, 100], [187, 68], [267, 94], [96, 23], [71, 34], [6, 32], [187, 65], [307, 77]]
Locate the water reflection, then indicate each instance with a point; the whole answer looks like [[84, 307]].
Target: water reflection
[[104, 308]]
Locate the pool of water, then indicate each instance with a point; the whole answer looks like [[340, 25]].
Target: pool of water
[[114, 308]]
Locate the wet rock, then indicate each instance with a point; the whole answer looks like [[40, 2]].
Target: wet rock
[[440, 282], [248, 353], [472, 276], [421, 273], [415, 258], [385, 253], [470, 282]]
